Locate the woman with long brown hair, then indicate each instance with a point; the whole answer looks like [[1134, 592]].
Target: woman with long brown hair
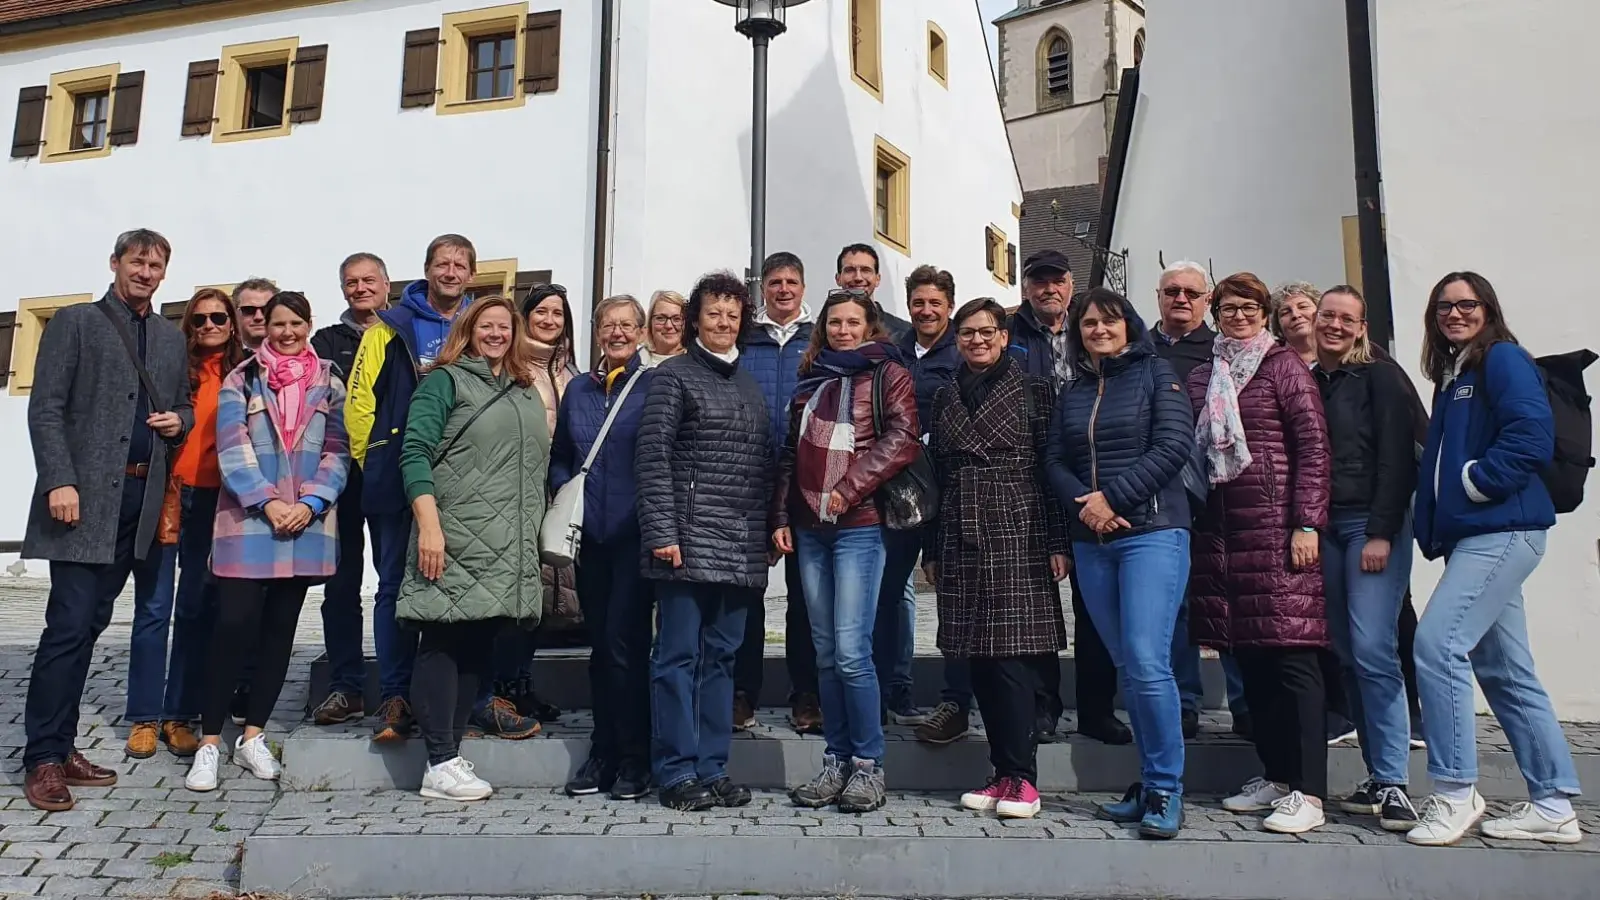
[[210, 327], [475, 459]]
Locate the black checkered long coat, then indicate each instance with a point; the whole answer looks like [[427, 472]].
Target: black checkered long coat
[[997, 522]]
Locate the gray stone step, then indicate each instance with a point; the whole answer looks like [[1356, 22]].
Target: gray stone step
[[537, 843], [562, 677], [773, 756]]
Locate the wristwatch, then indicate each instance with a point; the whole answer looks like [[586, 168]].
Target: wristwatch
[[1308, 529]]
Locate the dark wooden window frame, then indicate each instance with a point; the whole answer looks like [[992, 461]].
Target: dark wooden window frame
[[503, 64], [99, 124]]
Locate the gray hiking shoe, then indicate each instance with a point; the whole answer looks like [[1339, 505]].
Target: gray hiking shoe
[[864, 792], [823, 790]]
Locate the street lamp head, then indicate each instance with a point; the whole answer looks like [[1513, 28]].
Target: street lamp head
[[760, 18]]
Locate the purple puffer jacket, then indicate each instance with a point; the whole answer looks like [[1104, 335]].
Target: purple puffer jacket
[[1243, 592]]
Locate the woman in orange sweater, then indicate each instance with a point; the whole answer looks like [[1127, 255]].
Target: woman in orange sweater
[[211, 329]]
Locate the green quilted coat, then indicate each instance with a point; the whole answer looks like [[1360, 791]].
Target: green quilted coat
[[490, 488]]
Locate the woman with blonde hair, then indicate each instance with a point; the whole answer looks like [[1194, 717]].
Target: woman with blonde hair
[[663, 334], [1294, 315], [474, 460]]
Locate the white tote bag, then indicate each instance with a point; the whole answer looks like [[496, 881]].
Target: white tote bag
[[562, 531]]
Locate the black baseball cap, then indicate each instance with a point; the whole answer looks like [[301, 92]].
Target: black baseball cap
[[1046, 261]]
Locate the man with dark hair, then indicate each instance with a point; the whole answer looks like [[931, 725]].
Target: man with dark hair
[[250, 297], [1039, 343], [858, 268], [101, 442], [364, 281], [772, 356]]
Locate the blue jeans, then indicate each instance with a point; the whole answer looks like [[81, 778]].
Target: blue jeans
[[842, 569], [1186, 662], [698, 630], [1364, 623], [147, 650], [894, 632], [194, 611], [1132, 588], [341, 597], [396, 646], [1475, 625]]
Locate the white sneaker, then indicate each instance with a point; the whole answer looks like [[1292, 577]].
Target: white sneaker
[[1441, 823], [203, 771], [1258, 794], [454, 779], [1294, 814], [255, 757], [1525, 823]]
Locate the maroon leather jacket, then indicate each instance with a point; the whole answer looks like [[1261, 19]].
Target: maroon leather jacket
[[877, 459], [1243, 592]]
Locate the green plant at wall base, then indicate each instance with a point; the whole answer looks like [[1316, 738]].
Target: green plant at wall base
[[220, 828], [169, 859]]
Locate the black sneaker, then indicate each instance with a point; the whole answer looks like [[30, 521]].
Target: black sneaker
[[632, 782], [239, 709], [593, 777], [1044, 728], [1340, 729], [501, 719], [1397, 813], [1363, 801], [1191, 724], [527, 702], [688, 796], [1107, 730], [727, 793]]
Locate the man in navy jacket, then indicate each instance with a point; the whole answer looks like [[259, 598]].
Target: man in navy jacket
[[772, 355]]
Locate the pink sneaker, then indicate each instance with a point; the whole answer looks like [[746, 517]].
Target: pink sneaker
[[989, 797], [1021, 801]]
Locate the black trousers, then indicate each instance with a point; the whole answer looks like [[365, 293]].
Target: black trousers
[[452, 658], [799, 654], [1408, 662], [1288, 709], [618, 608], [1006, 689], [1096, 686], [256, 622]]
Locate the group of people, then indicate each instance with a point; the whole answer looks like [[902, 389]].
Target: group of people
[[1249, 491]]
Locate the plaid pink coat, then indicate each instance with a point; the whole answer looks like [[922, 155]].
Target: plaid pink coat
[[256, 468]]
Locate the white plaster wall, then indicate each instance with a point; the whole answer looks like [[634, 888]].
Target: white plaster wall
[[1496, 175], [1061, 148], [1241, 158]]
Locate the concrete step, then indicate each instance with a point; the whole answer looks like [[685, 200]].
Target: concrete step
[[773, 756], [538, 843], [562, 678]]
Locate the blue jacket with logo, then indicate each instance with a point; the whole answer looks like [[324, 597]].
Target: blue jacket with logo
[[776, 369], [1491, 434], [931, 371], [610, 508]]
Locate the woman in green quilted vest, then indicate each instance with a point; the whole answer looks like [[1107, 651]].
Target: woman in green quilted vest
[[475, 457]]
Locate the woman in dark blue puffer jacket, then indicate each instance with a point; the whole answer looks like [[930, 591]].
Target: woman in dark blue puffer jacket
[[1119, 439]]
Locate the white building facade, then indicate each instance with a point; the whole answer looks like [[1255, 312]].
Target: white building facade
[[274, 137], [1246, 159]]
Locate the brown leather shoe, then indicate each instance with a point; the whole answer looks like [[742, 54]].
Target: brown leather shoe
[[806, 714], [744, 712], [142, 740], [179, 738], [79, 772], [46, 788]]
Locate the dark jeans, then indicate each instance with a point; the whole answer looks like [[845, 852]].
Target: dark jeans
[[1286, 696], [1097, 676], [617, 606], [147, 647], [257, 618], [957, 682], [194, 613], [799, 654], [82, 597], [445, 681], [699, 627], [396, 646], [1006, 688], [894, 631], [341, 597]]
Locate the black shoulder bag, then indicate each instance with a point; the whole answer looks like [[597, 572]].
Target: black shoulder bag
[[910, 498], [450, 444]]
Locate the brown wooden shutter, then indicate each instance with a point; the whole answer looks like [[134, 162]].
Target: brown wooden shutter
[[8, 331], [541, 62], [1011, 264], [989, 234], [420, 81], [310, 71], [29, 133], [200, 99], [126, 108]]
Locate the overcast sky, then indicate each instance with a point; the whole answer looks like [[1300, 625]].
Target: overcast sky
[[993, 9]]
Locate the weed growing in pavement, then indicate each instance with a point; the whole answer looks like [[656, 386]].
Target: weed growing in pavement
[[169, 859]]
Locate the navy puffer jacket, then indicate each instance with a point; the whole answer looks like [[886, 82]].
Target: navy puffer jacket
[[610, 508], [777, 370], [1125, 430], [930, 371]]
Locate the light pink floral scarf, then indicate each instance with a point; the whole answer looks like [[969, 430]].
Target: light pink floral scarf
[[1220, 430]]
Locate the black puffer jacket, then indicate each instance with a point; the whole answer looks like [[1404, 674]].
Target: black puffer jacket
[[1371, 430], [704, 464], [338, 344]]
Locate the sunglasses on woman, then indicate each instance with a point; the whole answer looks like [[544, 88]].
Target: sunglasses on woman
[[218, 319]]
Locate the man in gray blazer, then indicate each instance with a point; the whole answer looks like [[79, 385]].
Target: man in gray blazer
[[100, 449]]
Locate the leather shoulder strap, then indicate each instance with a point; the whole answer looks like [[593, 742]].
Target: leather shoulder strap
[[121, 328]]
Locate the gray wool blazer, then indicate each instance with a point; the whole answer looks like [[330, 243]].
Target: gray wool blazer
[[79, 418]]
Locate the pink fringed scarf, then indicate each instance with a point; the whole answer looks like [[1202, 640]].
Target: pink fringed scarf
[[289, 378]]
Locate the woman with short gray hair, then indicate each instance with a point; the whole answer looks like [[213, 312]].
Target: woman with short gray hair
[[1294, 315]]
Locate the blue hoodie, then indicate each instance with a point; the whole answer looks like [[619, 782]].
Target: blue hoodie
[[428, 328]]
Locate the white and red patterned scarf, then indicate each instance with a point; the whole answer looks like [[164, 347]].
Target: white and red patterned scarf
[[827, 442], [1220, 430]]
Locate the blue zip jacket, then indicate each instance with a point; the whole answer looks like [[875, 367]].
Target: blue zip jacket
[[931, 371], [1126, 430], [1030, 343], [610, 509], [1494, 418], [777, 370]]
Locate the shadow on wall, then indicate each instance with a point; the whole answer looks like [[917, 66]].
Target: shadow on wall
[[817, 198]]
